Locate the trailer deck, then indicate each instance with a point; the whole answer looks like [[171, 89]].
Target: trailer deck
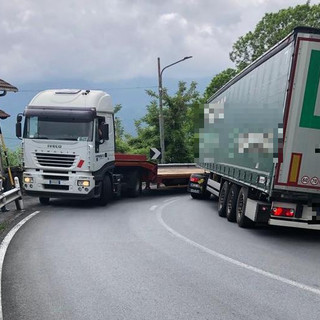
[[173, 174]]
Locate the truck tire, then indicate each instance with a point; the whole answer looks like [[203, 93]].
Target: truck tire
[[242, 220], [222, 202], [106, 191], [231, 207], [44, 200], [135, 185]]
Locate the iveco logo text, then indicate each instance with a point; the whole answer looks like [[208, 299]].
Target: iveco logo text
[[57, 146]]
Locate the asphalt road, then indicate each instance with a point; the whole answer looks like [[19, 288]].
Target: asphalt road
[[161, 256]]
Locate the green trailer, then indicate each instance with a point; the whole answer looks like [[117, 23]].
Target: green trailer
[[260, 139]]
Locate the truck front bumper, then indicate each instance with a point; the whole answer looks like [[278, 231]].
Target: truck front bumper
[[59, 185]]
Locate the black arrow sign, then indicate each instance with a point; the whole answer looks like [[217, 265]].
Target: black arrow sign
[[155, 153]]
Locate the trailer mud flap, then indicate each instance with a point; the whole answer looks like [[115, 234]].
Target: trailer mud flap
[[258, 211]]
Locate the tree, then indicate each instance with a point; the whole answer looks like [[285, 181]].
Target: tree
[[179, 123], [179, 111], [147, 129], [271, 29], [121, 137]]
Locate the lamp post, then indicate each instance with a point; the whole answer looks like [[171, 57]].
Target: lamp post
[[161, 124]]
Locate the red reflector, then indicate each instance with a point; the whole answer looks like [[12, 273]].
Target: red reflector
[[81, 162], [194, 179]]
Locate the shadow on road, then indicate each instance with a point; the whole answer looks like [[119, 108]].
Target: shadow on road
[[146, 195]]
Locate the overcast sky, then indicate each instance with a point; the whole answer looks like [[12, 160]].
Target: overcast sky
[[114, 44], [106, 40]]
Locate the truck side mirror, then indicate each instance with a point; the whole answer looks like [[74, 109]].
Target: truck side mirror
[[19, 126], [19, 117]]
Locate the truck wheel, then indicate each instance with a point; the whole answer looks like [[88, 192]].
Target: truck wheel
[[222, 202], [231, 207], [106, 191], [135, 185], [44, 201], [242, 220]]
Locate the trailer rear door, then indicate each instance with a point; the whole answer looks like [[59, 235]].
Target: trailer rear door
[[299, 156]]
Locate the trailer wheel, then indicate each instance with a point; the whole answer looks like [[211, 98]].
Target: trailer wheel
[[44, 201], [242, 220], [106, 191], [136, 185], [231, 207], [222, 202]]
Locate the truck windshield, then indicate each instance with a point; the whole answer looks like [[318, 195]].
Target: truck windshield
[[37, 127]]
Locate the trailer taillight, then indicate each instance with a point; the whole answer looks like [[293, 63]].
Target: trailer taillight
[[283, 212], [194, 179]]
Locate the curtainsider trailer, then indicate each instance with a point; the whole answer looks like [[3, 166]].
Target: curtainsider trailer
[[260, 139]]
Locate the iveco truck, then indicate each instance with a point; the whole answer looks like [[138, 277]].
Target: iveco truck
[[68, 145], [260, 139]]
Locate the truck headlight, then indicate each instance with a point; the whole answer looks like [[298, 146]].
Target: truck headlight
[[27, 179], [84, 183]]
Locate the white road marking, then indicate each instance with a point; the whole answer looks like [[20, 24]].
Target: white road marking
[[4, 246], [153, 208], [231, 260], [170, 199]]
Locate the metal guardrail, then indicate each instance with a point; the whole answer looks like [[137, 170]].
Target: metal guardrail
[[11, 195]]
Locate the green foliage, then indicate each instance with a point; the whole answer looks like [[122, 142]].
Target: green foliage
[[14, 158], [271, 29], [179, 123], [122, 138], [179, 112]]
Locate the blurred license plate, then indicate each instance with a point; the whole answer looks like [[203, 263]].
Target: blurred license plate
[[195, 190], [194, 185], [54, 181]]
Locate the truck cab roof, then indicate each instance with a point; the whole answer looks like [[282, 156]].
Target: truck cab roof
[[74, 98]]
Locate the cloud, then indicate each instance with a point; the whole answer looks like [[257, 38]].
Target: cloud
[[106, 40]]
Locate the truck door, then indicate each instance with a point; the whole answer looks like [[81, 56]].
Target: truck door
[[104, 146]]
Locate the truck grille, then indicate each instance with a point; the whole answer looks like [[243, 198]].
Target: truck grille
[[55, 160]]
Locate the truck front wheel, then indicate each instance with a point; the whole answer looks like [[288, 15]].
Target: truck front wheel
[[106, 191], [222, 203]]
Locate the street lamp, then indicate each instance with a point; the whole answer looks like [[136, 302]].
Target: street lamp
[[161, 125]]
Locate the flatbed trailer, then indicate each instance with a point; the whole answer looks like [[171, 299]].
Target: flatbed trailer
[[176, 174], [148, 172]]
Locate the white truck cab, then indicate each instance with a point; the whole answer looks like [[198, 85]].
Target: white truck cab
[[68, 145]]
